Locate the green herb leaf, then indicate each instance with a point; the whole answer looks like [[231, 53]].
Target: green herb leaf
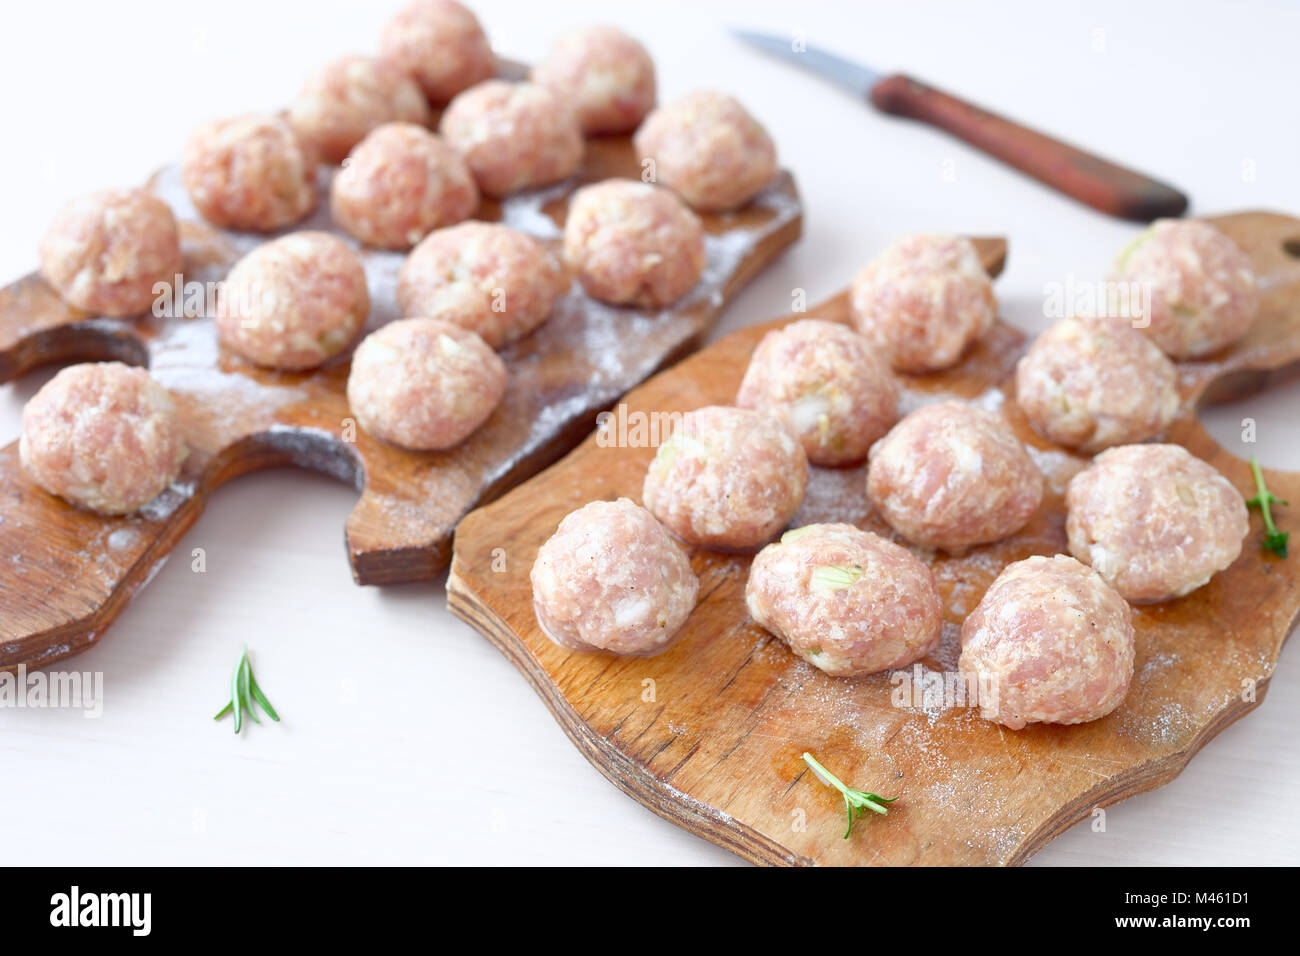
[[1274, 540], [237, 698], [835, 577], [244, 694], [854, 800], [261, 698]]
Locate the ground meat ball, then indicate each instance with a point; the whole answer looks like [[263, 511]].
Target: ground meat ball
[[400, 184], [1154, 521], [825, 383], [924, 300], [514, 135], [1089, 386], [424, 384], [633, 244], [952, 476], [726, 478], [606, 74], [846, 601], [105, 252], [441, 44], [1203, 289], [612, 579], [493, 280], [250, 172], [293, 302], [708, 150], [1050, 643], [104, 436], [346, 99]]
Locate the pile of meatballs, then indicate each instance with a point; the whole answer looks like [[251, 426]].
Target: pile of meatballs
[[1052, 640], [107, 437], [1053, 635]]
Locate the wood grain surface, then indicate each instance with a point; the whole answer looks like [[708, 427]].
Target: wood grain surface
[[68, 572], [709, 734]]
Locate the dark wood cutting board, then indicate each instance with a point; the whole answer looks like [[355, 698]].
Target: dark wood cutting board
[[710, 733], [67, 572]]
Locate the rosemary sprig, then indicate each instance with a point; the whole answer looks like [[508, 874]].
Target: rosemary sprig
[[245, 694], [853, 799], [1274, 540]]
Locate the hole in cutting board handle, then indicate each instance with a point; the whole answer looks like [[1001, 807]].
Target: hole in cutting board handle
[[1292, 247]]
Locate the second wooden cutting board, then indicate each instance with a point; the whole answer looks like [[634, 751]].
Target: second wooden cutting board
[[709, 734]]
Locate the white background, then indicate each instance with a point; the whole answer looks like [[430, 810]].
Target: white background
[[406, 737]]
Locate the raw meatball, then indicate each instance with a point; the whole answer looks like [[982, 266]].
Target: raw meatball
[[251, 172], [400, 184], [605, 74], [924, 300], [1049, 643], [424, 384], [1154, 521], [1203, 288], [633, 244], [1088, 386], [104, 436], [514, 135], [825, 383], [348, 98], [104, 252], [441, 44], [293, 302], [951, 476], [726, 478], [846, 601], [611, 579], [488, 278], [708, 150]]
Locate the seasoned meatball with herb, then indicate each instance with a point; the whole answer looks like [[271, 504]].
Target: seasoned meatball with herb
[[845, 600], [827, 385]]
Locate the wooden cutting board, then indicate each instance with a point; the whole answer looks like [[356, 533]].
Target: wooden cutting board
[[67, 573], [709, 734]]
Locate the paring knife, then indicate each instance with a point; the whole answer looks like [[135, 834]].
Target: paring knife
[[1090, 179]]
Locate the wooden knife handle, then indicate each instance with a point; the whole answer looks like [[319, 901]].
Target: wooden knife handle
[[1083, 176]]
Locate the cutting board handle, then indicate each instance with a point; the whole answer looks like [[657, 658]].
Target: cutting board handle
[[1090, 179]]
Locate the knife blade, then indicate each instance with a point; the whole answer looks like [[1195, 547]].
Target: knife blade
[[854, 77], [1086, 177]]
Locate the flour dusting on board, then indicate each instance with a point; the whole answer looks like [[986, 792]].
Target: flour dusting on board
[[526, 211], [122, 538]]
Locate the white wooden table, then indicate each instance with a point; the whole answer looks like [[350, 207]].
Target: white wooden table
[[427, 746]]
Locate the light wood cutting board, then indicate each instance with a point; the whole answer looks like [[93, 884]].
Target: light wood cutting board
[[67, 573], [709, 734]]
